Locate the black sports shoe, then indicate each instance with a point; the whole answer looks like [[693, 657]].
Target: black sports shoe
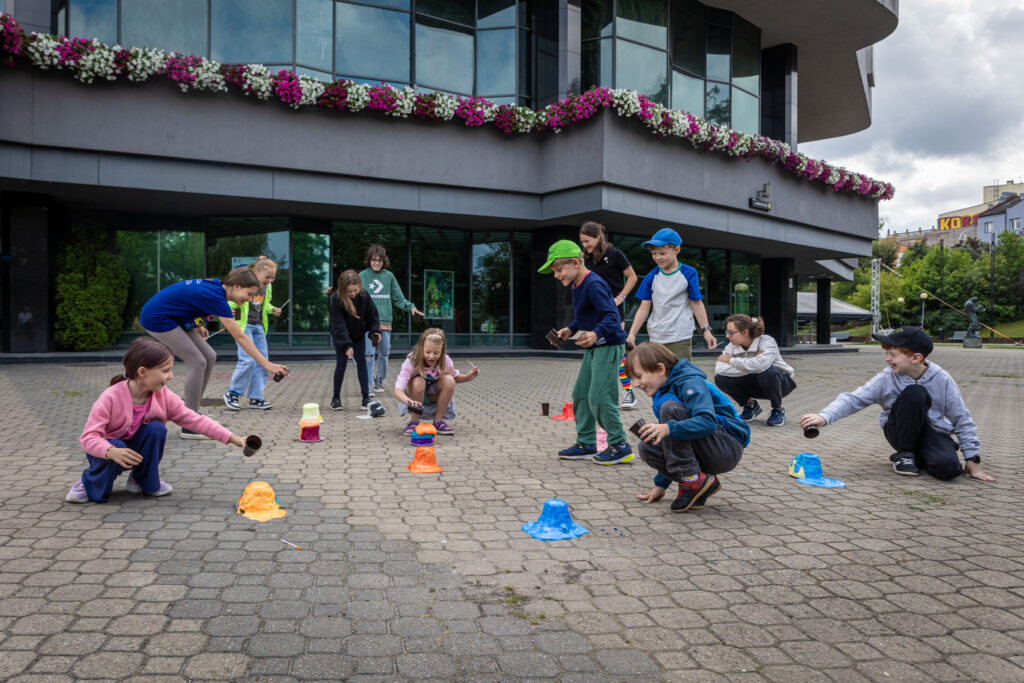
[[366, 400], [750, 411], [189, 434], [715, 487], [690, 491], [260, 404], [903, 463], [578, 451], [336, 404]]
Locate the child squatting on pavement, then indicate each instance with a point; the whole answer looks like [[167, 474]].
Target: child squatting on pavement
[[699, 434], [921, 408]]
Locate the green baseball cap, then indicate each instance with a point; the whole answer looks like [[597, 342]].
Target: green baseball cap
[[560, 249]]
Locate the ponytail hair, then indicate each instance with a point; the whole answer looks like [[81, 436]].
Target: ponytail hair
[[597, 231], [345, 280], [263, 264], [145, 352], [755, 326], [242, 276]]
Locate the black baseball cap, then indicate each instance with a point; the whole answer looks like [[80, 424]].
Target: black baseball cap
[[911, 338]]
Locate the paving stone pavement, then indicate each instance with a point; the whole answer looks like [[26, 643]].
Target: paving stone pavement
[[404, 576]]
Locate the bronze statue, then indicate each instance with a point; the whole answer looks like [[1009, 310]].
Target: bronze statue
[[971, 309]]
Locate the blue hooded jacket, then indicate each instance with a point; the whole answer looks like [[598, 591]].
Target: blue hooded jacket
[[707, 405]]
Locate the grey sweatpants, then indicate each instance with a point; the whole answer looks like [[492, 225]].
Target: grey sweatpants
[[198, 357], [715, 453]]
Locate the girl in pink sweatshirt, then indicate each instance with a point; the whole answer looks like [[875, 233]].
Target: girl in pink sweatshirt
[[125, 429]]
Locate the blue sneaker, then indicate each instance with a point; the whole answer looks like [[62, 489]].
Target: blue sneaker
[[750, 411], [578, 451], [615, 454], [777, 418]]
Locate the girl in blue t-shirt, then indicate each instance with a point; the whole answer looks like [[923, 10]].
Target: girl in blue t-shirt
[[177, 316]]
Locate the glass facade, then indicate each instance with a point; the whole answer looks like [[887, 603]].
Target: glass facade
[[462, 47], [677, 52]]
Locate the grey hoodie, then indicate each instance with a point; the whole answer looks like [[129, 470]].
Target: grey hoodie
[[947, 415]]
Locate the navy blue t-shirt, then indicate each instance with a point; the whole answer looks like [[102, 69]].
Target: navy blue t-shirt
[[595, 310], [181, 303]]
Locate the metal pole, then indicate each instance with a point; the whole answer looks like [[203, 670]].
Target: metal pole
[[992, 282]]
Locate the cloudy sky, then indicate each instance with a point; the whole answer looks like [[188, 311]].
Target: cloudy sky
[[948, 109]]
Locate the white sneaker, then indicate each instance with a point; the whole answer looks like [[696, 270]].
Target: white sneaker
[[132, 486], [628, 400], [77, 493]]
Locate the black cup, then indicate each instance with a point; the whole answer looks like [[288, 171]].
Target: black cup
[[552, 336], [418, 410], [811, 432], [278, 376], [375, 339], [252, 444], [545, 408], [636, 427]]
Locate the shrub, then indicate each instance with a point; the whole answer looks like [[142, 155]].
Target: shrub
[[92, 290]]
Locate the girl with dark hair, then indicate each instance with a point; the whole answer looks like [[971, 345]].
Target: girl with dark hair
[[353, 320], [612, 265], [386, 293], [751, 367], [125, 429], [177, 316]]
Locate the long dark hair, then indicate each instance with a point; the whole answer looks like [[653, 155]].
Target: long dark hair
[[596, 230], [242, 276], [145, 352]]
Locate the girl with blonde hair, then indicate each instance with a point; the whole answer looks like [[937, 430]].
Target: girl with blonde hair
[[426, 382], [254, 317]]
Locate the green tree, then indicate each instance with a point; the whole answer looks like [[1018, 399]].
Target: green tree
[[92, 290]]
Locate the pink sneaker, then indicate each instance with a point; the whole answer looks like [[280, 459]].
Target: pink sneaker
[[77, 493], [132, 486]]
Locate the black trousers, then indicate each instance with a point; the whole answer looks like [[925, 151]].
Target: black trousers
[[677, 458], [908, 430], [772, 384], [359, 355]]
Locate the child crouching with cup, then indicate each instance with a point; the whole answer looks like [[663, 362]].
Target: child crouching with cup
[[698, 435]]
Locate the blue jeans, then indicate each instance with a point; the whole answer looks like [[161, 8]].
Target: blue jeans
[[379, 355], [148, 442], [248, 373]]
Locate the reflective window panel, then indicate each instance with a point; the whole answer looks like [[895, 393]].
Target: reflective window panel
[[93, 19], [172, 25], [746, 114], [642, 69], [688, 93], [491, 13], [496, 62], [597, 63], [444, 55], [689, 39], [371, 42], [251, 31], [719, 47], [645, 21], [461, 11], [746, 55], [716, 104], [314, 30], [596, 18]]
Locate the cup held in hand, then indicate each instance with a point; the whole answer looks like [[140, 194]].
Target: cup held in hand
[[552, 336], [811, 432], [636, 427], [418, 410], [252, 444], [278, 376]]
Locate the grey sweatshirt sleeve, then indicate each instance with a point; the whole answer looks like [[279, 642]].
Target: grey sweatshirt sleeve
[[963, 424], [858, 399]]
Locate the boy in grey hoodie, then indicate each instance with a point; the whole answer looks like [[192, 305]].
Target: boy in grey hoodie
[[921, 407]]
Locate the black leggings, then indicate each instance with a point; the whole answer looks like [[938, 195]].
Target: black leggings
[[908, 431], [359, 354], [772, 384]]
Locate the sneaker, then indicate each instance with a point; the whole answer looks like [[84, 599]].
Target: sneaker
[[690, 491], [615, 454], [189, 434], [260, 404], [750, 411], [777, 417], [442, 427], [903, 463], [336, 404], [132, 486], [578, 451], [715, 487], [628, 400], [77, 493], [231, 400], [409, 428], [378, 387], [366, 401]]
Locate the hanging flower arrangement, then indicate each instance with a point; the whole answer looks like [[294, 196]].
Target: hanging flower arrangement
[[89, 60]]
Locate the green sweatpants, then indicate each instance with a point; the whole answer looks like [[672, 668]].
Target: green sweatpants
[[595, 398]]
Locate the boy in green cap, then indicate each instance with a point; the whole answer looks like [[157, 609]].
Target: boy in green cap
[[595, 398]]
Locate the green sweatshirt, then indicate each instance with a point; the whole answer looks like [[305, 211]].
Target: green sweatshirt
[[385, 292]]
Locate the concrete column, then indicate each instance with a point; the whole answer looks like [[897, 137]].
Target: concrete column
[[778, 299], [824, 311]]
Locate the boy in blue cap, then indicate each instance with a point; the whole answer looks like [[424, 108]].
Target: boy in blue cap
[[595, 397], [670, 294]]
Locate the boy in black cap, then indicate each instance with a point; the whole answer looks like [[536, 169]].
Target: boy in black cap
[[921, 407]]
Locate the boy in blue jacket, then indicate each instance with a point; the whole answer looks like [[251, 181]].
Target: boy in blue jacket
[[595, 397], [699, 434]]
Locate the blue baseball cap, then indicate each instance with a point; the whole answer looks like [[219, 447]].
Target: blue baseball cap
[[663, 237]]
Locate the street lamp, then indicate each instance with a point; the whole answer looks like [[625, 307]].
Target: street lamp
[[924, 302], [899, 300]]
